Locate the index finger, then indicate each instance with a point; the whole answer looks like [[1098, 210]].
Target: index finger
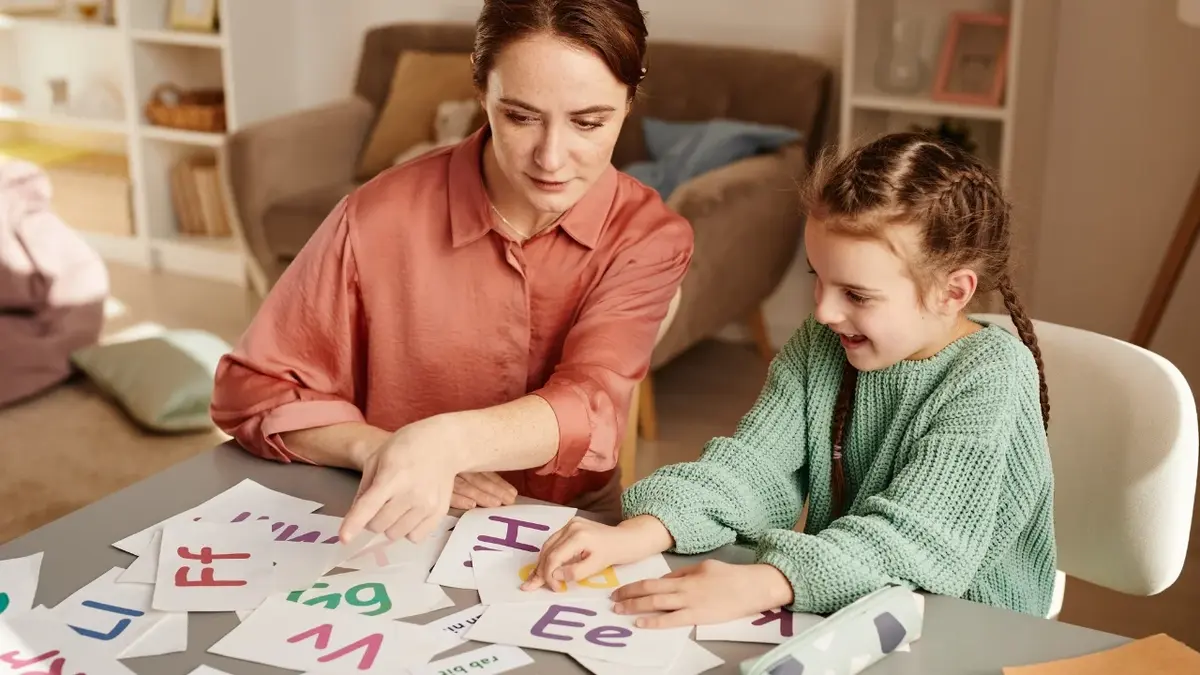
[[362, 511]]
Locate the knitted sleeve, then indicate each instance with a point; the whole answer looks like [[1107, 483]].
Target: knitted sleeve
[[931, 527], [741, 485]]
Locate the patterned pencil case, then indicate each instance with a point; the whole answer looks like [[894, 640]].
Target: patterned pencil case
[[850, 640]]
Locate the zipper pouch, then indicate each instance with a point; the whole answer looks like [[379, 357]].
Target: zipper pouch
[[850, 640]]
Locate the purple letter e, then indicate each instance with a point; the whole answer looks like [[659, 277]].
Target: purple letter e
[[539, 628]]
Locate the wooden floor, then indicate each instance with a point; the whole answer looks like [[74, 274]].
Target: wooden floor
[[701, 394]]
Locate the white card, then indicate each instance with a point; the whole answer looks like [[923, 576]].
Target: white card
[[206, 670], [389, 593], [18, 583], [144, 570], [37, 642], [772, 627], [169, 636], [113, 615], [298, 565], [213, 567], [484, 661], [499, 575], [247, 500], [458, 623], [381, 552], [523, 527], [292, 636], [692, 660], [589, 629], [306, 528]]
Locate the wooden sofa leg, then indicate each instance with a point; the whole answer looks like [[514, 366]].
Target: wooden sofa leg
[[629, 446], [762, 340], [647, 414]]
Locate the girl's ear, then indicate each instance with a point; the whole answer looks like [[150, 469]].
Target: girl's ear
[[959, 290]]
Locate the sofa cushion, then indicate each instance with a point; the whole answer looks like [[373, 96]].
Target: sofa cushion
[[680, 151], [289, 223], [420, 83]]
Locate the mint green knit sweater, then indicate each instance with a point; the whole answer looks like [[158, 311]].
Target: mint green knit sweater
[[949, 484]]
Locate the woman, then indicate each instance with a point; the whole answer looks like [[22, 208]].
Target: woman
[[471, 325]]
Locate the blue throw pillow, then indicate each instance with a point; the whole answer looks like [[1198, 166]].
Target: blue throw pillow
[[680, 151]]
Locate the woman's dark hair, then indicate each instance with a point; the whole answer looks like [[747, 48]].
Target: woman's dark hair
[[965, 220], [615, 30]]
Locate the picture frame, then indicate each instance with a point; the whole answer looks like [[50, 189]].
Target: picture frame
[[973, 64], [193, 15]]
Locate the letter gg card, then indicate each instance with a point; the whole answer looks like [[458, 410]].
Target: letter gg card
[[521, 527], [589, 629], [499, 575]]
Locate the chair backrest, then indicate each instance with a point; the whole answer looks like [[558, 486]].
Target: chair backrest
[[1123, 441], [684, 82]]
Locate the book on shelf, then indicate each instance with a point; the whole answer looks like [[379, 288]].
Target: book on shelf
[[198, 199]]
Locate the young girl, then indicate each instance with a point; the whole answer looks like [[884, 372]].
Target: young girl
[[916, 434]]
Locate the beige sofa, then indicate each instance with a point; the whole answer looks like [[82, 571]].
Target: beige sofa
[[286, 174]]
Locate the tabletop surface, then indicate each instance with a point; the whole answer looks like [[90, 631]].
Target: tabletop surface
[[958, 637]]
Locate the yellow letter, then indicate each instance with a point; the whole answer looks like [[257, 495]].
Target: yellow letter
[[605, 579]]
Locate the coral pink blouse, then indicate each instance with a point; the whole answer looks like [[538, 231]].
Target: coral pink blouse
[[407, 303]]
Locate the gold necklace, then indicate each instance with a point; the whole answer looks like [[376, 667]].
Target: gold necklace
[[512, 229]]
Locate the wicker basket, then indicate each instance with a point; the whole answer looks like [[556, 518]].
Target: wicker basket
[[193, 110]]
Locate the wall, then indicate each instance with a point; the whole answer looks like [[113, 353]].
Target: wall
[[812, 27], [1123, 154]]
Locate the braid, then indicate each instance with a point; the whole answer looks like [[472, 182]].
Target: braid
[[842, 411], [1025, 329]]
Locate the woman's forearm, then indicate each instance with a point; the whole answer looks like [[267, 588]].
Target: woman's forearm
[[345, 445], [521, 434]]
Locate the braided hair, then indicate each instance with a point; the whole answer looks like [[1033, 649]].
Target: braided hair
[[966, 223]]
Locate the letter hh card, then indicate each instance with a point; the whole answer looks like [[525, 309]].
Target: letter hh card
[[521, 527], [499, 575], [692, 660], [113, 615], [310, 639], [18, 583], [487, 660], [772, 627], [214, 567], [380, 552], [584, 628], [247, 500]]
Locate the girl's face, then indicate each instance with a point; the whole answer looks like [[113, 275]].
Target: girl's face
[[555, 111], [863, 292]]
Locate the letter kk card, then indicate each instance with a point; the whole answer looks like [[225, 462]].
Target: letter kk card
[[580, 628], [521, 527], [214, 567]]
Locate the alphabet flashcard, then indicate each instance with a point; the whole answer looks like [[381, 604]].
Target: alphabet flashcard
[[521, 527], [585, 628]]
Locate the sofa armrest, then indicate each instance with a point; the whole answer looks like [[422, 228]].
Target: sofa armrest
[[747, 225], [278, 158]]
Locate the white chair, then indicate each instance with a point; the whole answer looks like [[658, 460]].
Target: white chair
[[1123, 442]]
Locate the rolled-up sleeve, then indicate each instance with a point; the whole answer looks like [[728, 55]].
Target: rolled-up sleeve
[[295, 366], [607, 352]]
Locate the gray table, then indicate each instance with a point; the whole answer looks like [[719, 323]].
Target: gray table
[[959, 636]]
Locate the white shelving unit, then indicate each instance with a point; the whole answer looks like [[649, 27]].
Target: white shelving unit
[[1010, 137], [251, 57]]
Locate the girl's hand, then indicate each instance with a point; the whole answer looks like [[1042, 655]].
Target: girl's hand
[[711, 592], [583, 548]]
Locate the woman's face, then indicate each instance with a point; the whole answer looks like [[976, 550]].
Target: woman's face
[[555, 111]]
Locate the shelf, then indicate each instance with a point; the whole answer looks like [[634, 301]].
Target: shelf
[[17, 113], [68, 21], [200, 138], [921, 105], [176, 37], [213, 258]]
